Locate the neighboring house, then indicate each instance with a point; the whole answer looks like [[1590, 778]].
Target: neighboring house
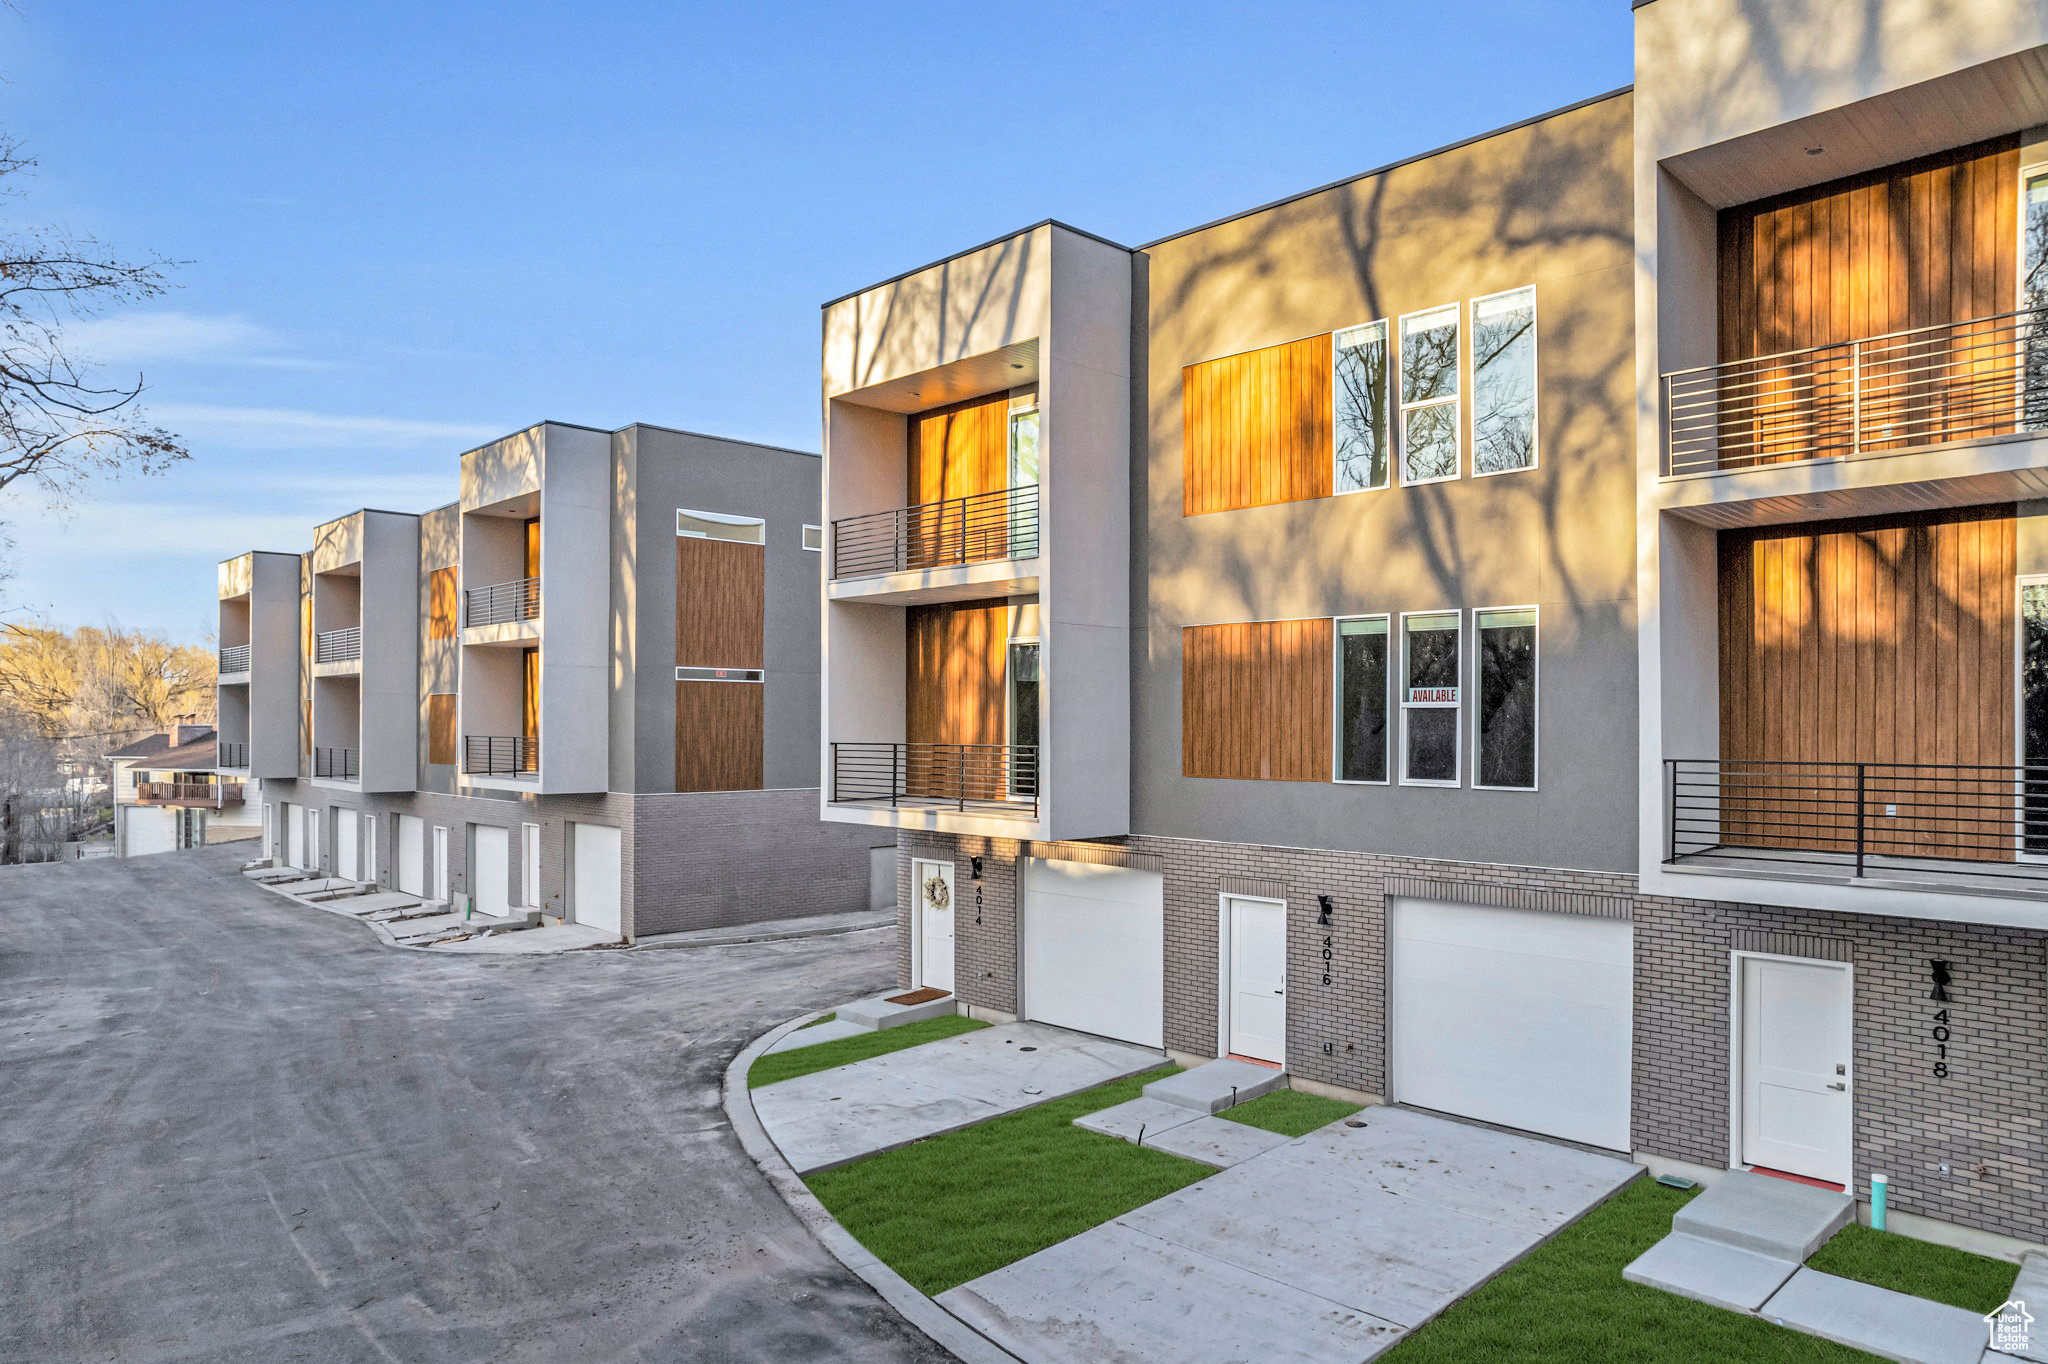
[[169, 794], [587, 687], [1551, 630]]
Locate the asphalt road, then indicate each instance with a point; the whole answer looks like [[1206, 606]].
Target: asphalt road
[[236, 1128]]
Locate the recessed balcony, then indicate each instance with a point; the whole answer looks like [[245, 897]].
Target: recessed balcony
[[990, 779], [502, 603], [234, 659], [338, 764], [338, 646], [983, 544], [234, 756], [501, 755]]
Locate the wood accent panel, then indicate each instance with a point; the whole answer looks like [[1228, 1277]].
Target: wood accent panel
[[533, 547], [442, 607], [956, 655], [721, 601], [529, 693], [441, 744], [718, 736], [958, 450], [1886, 640], [1256, 428], [1255, 700]]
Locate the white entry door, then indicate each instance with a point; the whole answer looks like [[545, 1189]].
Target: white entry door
[[1094, 948], [490, 869], [345, 844], [529, 865], [370, 868], [314, 819], [294, 835], [412, 855], [594, 872], [1795, 1066], [1258, 978], [932, 884], [441, 863]]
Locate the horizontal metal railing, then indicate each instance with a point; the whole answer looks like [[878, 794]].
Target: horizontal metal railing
[[500, 755], [1952, 381], [234, 658], [1862, 819], [501, 603], [338, 646], [995, 778], [231, 755], [960, 530], [338, 764], [189, 793]]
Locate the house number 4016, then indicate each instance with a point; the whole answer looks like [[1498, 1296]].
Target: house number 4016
[[1327, 955]]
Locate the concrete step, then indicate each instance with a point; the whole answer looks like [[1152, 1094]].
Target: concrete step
[[504, 923], [1217, 1142], [1866, 1317], [1137, 1119], [1216, 1085], [2032, 1287], [1773, 1217], [368, 905], [878, 1013], [1710, 1272]]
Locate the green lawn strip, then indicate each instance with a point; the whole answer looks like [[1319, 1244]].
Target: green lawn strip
[[824, 1018], [1289, 1112], [951, 1208], [787, 1065], [1920, 1268], [1567, 1302]]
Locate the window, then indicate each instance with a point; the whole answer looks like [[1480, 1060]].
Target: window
[[1506, 718], [1360, 424], [2034, 295], [814, 537], [1023, 716], [1429, 395], [1429, 700], [689, 674], [1023, 468], [701, 525], [1362, 699], [1504, 382], [2033, 734]]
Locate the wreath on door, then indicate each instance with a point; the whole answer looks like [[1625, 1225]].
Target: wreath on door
[[935, 893]]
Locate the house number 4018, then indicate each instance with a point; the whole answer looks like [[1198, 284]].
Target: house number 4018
[[1939, 1031]]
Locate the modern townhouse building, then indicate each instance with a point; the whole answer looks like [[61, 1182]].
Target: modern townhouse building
[[586, 689], [1540, 631], [167, 793]]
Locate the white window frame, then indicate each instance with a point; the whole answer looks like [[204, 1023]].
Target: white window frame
[[1337, 695], [2019, 711], [1401, 695], [1009, 715], [1456, 399], [529, 865], [2019, 289], [1029, 409], [755, 523], [1535, 691], [1389, 407], [1535, 388], [688, 673], [808, 532]]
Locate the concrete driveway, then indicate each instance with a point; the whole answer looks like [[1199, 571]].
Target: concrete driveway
[[1330, 1248], [237, 1128]]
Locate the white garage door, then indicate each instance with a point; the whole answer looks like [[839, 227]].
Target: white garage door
[[345, 828], [594, 890], [294, 835], [150, 831], [1513, 1016], [490, 876], [412, 855], [1093, 949]]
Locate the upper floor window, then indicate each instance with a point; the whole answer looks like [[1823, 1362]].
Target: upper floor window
[[703, 525], [1361, 429], [1362, 699], [1023, 446], [1504, 382], [1429, 698], [2034, 293], [814, 537], [1505, 719], [1430, 447]]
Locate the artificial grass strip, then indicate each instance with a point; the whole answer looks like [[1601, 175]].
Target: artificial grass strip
[[1919, 1268], [951, 1208], [1289, 1112], [788, 1065], [822, 1018], [1567, 1302]]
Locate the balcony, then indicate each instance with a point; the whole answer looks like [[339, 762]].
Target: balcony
[[963, 530], [212, 795], [1928, 386], [502, 603], [984, 778], [337, 764], [234, 658], [500, 755], [229, 755], [338, 646], [1964, 828]]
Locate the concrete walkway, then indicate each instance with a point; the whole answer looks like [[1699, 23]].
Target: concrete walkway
[[1332, 1247], [772, 930]]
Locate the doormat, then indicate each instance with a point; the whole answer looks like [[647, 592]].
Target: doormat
[[1791, 1178], [1255, 1061], [924, 996]]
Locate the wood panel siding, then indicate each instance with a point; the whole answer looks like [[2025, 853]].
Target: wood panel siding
[[958, 450], [1885, 640], [441, 744], [956, 653], [529, 693], [533, 547], [442, 605], [1256, 428], [718, 736], [721, 601], [1255, 700]]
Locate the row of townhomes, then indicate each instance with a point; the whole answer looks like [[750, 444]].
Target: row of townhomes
[[586, 691], [1553, 630]]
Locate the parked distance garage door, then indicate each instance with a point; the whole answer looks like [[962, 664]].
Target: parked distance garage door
[[594, 886], [150, 830], [412, 855], [1513, 1016], [1094, 949]]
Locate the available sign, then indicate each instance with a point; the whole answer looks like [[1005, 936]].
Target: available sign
[[1432, 696]]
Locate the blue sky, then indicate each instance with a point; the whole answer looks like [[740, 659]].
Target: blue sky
[[412, 227]]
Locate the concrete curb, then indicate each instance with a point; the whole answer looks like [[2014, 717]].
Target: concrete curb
[[385, 935], [739, 934], [947, 1330]]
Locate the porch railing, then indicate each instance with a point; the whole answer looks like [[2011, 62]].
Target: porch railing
[[208, 793], [234, 658], [338, 646], [991, 778], [1965, 821], [502, 603], [960, 530], [500, 755], [337, 764], [1952, 381], [231, 755]]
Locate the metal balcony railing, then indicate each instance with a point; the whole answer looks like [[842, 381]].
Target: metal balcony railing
[[338, 646], [990, 778], [502, 602], [234, 658], [231, 755], [207, 793], [339, 764], [961, 530], [1942, 824], [1877, 395], [500, 755]]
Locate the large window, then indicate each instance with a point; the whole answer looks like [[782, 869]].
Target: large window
[[1362, 699], [1429, 395], [704, 525], [2034, 296], [1504, 382], [1429, 699], [1505, 722], [1023, 470], [1362, 425], [2034, 715], [1023, 717]]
